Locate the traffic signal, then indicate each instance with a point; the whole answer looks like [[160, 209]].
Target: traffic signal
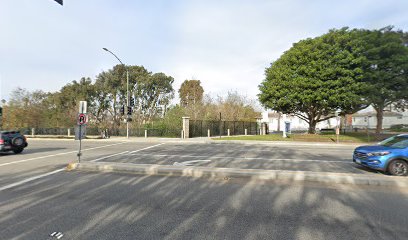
[[122, 110], [129, 111], [132, 101]]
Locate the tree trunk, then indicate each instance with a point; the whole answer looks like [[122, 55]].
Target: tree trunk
[[312, 126], [379, 108], [380, 114]]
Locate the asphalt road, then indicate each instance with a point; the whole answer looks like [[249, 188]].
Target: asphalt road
[[45, 156], [117, 206], [318, 158], [38, 198]]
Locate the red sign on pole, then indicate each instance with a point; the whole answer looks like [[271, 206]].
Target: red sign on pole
[[81, 119]]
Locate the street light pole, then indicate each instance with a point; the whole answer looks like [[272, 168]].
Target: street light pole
[[127, 91]]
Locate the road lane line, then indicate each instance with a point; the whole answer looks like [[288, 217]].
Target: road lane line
[[244, 158], [188, 163], [58, 154], [116, 154], [147, 148], [30, 179]]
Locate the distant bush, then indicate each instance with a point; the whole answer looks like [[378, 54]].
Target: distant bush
[[399, 127], [326, 131]]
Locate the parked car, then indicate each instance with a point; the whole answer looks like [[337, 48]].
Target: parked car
[[389, 156], [12, 141]]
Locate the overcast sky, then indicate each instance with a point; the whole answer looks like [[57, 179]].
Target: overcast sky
[[226, 44]]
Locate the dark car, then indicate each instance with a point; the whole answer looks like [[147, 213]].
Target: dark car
[[390, 155], [12, 141]]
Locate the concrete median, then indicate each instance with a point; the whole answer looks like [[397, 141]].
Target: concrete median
[[253, 174]]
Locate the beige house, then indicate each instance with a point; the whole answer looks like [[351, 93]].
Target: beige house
[[369, 119]]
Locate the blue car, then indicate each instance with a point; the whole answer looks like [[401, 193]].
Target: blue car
[[389, 156]]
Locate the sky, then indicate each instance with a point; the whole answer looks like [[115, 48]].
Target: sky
[[226, 44]]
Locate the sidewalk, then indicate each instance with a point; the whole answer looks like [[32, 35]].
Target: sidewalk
[[199, 140]]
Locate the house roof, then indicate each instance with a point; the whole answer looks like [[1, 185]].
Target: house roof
[[373, 114], [273, 115]]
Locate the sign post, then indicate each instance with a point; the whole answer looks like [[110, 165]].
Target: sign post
[[337, 114], [81, 122]]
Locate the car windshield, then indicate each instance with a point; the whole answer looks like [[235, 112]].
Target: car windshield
[[395, 142]]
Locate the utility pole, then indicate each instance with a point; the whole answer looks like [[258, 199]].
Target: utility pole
[[128, 116]]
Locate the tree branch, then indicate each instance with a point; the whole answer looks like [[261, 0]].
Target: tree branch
[[323, 119], [301, 117]]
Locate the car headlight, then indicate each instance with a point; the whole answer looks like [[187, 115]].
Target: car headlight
[[378, 154]]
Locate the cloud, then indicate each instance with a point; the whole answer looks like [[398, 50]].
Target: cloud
[[225, 44]]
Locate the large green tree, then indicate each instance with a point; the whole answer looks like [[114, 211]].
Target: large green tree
[[191, 98], [191, 93], [315, 78], [65, 107], [385, 69], [152, 93]]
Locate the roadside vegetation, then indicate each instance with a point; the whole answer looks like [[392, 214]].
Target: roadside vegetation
[[151, 100], [343, 138]]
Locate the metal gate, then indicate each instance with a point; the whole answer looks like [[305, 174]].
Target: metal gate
[[199, 128]]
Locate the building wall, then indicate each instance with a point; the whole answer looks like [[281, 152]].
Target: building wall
[[388, 121], [296, 123]]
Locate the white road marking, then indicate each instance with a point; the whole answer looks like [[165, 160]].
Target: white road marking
[[109, 156], [189, 163], [30, 179], [62, 169], [146, 148], [58, 154], [244, 158]]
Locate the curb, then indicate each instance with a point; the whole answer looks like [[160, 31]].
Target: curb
[[296, 143], [253, 174], [200, 141]]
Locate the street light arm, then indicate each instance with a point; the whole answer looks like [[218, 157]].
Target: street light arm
[[127, 91], [113, 55]]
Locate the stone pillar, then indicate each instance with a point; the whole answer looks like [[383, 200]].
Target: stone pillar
[[186, 127], [209, 133], [146, 133], [228, 131], [32, 132], [69, 132], [263, 128], [246, 131]]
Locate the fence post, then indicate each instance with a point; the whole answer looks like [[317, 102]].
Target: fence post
[[186, 127], [69, 132], [145, 133], [228, 132], [32, 132], [208, 133], [182, 134], [246, 131]]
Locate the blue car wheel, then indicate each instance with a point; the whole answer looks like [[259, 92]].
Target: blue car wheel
[[398, 168]]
